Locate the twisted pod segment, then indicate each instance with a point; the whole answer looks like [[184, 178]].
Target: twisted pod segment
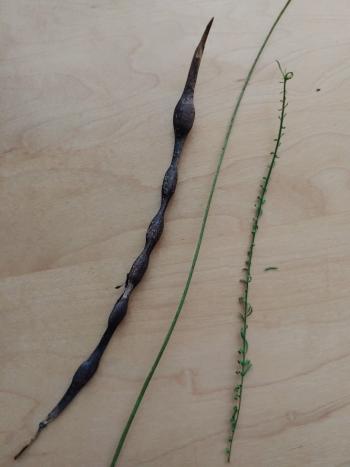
[[183, 119]]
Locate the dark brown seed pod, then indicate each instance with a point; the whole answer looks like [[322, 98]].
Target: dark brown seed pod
[[183, 119]]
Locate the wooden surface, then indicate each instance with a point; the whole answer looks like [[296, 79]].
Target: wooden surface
[[87, 93]]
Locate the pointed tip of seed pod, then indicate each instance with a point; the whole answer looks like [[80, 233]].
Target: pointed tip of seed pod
[[42, 425], [19, 453], [206, 31], [196, 60]]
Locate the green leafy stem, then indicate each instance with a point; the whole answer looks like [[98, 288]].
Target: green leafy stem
[[244, 364]]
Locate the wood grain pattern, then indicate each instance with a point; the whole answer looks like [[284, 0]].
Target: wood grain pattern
[[87, 95]]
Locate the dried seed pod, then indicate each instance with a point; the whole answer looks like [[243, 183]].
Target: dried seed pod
[[183, 119]]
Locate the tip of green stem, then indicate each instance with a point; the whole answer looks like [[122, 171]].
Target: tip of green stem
[[286, 74]]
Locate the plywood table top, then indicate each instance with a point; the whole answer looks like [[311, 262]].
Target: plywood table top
[[87, 94]]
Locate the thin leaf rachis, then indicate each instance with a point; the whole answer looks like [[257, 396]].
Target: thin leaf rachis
[[244, 364]]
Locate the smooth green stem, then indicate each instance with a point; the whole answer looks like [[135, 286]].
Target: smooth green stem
[[197, 248], [248, 277]]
